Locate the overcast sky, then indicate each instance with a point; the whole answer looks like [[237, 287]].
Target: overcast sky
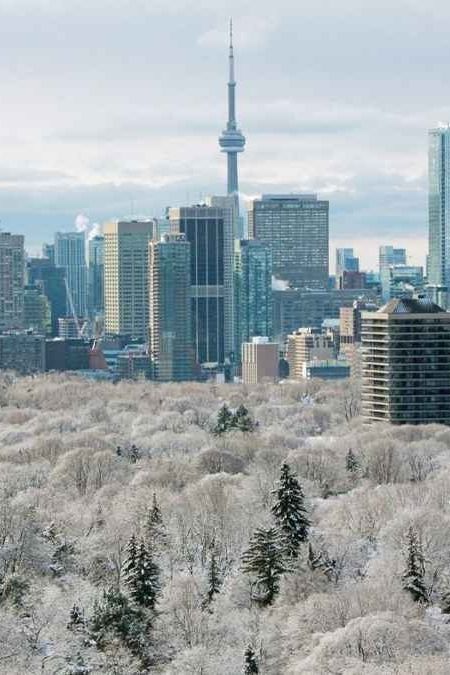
[[114, 107]]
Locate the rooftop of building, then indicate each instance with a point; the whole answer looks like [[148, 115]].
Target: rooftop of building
[[411, 306]]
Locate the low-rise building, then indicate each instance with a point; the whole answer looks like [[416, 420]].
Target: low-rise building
[[23, 352], [305, 345], [259, 361]]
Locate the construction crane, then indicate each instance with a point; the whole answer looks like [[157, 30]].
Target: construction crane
[[80, 329]]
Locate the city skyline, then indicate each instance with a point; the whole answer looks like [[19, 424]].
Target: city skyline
[[66, 159]]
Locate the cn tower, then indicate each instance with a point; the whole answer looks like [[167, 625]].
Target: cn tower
[[232, 139]]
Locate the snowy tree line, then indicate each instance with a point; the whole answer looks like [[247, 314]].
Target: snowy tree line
[[218, 530]]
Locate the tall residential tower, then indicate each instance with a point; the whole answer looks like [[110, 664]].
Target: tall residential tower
[[232, 140], [439, 206]]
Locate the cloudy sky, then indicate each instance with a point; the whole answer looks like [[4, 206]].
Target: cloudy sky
[[111, 108]]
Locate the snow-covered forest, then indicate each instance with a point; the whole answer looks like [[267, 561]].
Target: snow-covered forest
[[218, 530]]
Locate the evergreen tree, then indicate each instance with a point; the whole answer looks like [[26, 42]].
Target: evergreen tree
[[264, 559], [154, 526], [289, 511], [225, 420], [113, 617], [250, 662], [143, 579], [414, 574], [214, 580], [129, 564], [242, 420], [351, 462]]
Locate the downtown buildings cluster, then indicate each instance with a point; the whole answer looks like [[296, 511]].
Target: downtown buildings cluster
[[199, 294]]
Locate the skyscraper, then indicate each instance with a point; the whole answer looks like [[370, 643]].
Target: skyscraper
[[345, 262], [205, 228], [295, 228], [12, 272], [126, 277], [388, 255], [439, 206], [71, 256], [253, 291], [41, 272], [406, 363], [96, 255], [170, 327], [232, 140]]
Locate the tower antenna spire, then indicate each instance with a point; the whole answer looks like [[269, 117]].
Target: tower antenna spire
[[232, 140], [231, 53]]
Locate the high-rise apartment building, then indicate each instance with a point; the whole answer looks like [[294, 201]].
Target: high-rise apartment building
[[295, 227], [70, 255], [252, 291], [439, 206], [208, 230], [388, 256], [96, 272], [170, 328], [12, 281], [126, 277], [406, 363]]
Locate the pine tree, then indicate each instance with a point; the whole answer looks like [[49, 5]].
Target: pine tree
[[414, 574], [143, 579], [154, 526], [114, 617], [129, 564], [225, 420], [264, 559], [242, 420], [351, 462], [214, 581], [250, 662], [289, 511]]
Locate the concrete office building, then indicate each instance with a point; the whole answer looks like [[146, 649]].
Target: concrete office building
[[208, 229], [305, 345], [406, 363], [252, 291], [295, 228], [12, 281], [70, 255], [126, 277], [259, 361], [170, 328]]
